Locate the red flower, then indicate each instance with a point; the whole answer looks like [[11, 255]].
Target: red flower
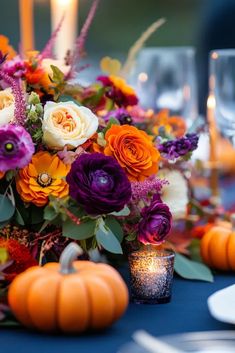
[[20, 255]]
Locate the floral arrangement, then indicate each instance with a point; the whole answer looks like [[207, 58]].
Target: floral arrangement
[[83, 163]]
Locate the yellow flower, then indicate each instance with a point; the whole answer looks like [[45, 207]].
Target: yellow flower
[[43, 177]]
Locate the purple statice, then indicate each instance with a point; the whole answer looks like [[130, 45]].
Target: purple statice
[[99, 184], [142, 190], [15, 67], [155, 223], [20, 104], [180, 147], [16, 147], [121, 115]]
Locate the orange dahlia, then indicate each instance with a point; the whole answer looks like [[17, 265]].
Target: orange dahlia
[[43, 177], [174, 125], [134, 151]]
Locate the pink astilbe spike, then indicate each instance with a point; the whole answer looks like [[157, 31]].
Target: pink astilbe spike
[[80, 41], [20, 104], [47, 52]]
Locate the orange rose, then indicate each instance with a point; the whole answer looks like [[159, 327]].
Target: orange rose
[[43, 177], [134, 151]]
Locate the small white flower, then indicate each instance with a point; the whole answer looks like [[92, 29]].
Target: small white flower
[[7, 106], [67, 124], [175, 194]]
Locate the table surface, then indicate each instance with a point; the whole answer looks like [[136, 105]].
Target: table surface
[[186, 312]]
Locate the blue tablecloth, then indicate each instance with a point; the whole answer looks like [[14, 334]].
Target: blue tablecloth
[[187, 312]]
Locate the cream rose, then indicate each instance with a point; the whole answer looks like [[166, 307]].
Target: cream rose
[[7, 106], [46, 64], [67, 124]]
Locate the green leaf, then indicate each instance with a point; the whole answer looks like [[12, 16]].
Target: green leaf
[[58, 76], [112, 121], [192, 270], [7, 209], [115, 227], [37, 215], [194, 249], [107, 239], [19, 219], [123, 213], [79, 231], [49, 213], [131, 237]]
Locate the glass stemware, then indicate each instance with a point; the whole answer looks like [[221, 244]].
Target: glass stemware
[[165, 78], [222, 87]]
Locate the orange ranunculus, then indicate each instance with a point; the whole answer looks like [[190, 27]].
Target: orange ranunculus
[[134, 151], [173, 124], [6, 48], [43, 177]]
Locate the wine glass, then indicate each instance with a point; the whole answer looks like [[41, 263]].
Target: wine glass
[[222, 87], [166, 78]]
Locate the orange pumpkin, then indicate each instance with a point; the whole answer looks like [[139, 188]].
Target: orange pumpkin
[[72, 297], [218, 247]]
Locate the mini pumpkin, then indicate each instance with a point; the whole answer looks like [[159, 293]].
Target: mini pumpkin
[[218, 246], [70, 296]]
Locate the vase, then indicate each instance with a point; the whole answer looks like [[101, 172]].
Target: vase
[[151, 274]]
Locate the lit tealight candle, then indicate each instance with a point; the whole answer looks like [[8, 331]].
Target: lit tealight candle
[[68, 32], [151, 276]]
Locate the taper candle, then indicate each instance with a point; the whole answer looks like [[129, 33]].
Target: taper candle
[[214, 182], [26, 25], [67, 35]]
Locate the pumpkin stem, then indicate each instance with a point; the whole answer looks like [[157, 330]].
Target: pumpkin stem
[[68, 256], [232, 217]]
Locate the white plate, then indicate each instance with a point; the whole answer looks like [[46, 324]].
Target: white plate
[[195, 342], [222, 305]]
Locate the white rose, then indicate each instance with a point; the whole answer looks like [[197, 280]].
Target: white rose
[[67, 124], [7, 106], [175, 194], [46, 64]]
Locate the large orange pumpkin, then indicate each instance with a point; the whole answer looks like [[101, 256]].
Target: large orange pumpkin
[[71, 297], [218, 247]]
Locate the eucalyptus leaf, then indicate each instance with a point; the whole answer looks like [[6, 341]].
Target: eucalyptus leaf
[[7, 209], [78, 231], [123, 213], [19, 219], [49, 213], [115, 227], [107, 239], [189, 269]]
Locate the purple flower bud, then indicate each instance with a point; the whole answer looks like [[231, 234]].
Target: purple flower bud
[[155, 223]]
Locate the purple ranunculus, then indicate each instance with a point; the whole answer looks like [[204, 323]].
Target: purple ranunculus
[[155, 223], [121, 115], [16, 147], [99, 184], [180, 147]]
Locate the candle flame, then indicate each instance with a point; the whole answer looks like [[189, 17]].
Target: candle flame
[[211, 103], [214, 55], [64, 3]]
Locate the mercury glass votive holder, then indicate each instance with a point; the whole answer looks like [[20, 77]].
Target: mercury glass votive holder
[[151, 276]]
